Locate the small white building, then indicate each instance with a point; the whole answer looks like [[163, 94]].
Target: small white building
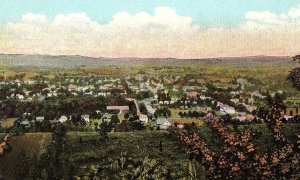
[[63, 119], [85, 118], [227, 109], [163, 123], [144, 118], [20, 97], [39, 119]]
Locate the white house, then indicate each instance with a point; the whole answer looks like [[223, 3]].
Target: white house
[[25, 123], [63, 119], [20, 97], [163, 123], [39, 119], [144, 118], [85, 118], [227, 109]]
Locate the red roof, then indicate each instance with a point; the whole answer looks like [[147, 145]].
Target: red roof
[[120, 108], [72, 87], [191, 94]]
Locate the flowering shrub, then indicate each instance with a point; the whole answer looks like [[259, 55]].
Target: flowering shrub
[[238, 157]]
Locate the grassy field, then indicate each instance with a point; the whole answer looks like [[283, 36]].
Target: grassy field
[[109, 71], [6, 123], [137, 145], [175, 111], [23, 149], [197, 122]]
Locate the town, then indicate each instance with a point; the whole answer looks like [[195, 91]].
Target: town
[[88, 106], [149, 101]]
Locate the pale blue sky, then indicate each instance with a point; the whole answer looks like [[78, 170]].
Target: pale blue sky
[[203, 12]]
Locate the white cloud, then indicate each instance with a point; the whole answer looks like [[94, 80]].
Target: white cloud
[[163, 17], [265, 17], [31, 18], [294, 12], [162, 34]]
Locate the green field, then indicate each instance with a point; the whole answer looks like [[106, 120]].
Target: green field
[[137, 146], [24, 149], [6, 123]]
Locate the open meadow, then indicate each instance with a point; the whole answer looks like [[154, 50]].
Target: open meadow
[[25, 149]]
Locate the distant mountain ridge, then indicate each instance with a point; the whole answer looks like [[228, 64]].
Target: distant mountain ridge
[[72, 61]]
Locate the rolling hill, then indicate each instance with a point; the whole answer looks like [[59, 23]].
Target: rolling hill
[[47, 61]]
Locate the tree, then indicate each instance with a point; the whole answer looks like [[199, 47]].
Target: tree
[[115, 119], [294, 74], [143, 108], [226, 118], [103, 129], [126, 115], [124, 127], [297, 58], [52, 161], [180, 114], [137, 125], [168, 98]]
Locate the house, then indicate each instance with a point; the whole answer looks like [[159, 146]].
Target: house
[[242, 117], [202, 97], [192, 95], [122, 109], [85, 118], [144, 118], [120, 87], [89, 93], [234, 92], [291, 110], [74, 93], [287, 117], [235, 101], [209, 116], [251, 108], [53, 121], [27, 93], [251, 100], [104, 93], [39, 119], [163, 123], [150, 110], [85, 89], [105, 119], [72, 87], [25, 123], [227, 109], [20, 97], [63, 119]]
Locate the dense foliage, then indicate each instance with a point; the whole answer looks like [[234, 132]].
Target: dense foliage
[[238, 156], [294, 76]]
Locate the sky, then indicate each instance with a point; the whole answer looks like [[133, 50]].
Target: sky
[[150, 28]]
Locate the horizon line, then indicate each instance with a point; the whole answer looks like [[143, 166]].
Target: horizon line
[[130, 57]]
